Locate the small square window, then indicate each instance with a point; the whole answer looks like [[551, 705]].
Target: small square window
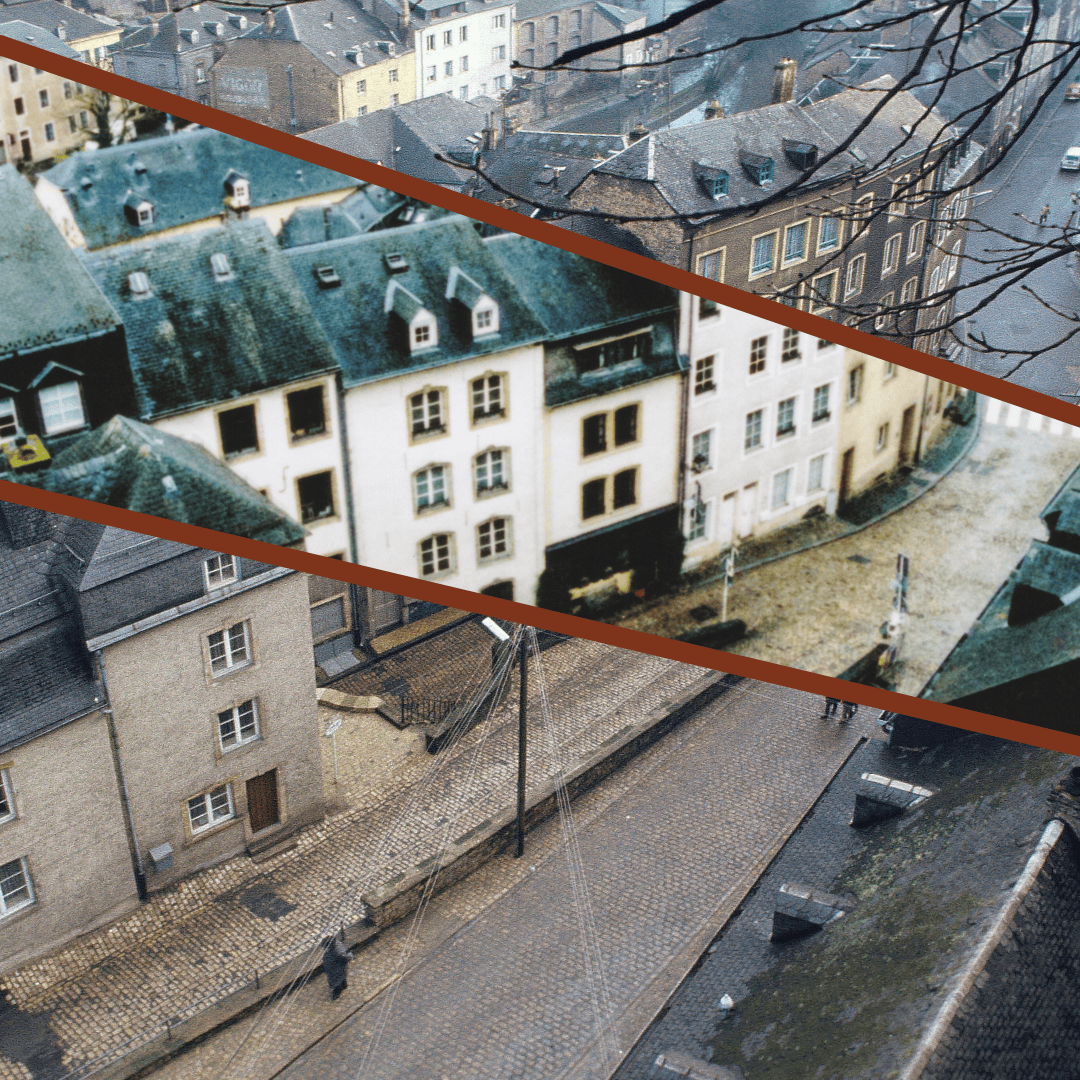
[[239, 432], [229, 649], [16, 889], [624, 489], [62, 408], [316, 496], [593, 498], [220, 570], [238, 725], [211, 808]]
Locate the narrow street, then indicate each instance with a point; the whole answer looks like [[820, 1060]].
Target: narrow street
[[821, 610], [1027, 179], [497, 983]]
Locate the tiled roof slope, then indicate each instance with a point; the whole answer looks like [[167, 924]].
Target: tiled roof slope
[[21, 30], [183, 175], [128, 464], [174, 30], [46, 295], [201, 337], [354, 313], [49, 14]]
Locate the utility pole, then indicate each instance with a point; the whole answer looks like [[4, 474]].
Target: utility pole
[[729, 576], [892, 630]]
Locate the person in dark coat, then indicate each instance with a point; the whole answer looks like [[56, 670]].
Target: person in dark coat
[[830, 706], [335, 960], [850, 709]]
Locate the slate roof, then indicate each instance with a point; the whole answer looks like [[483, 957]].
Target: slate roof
[[174, 31], [129, 464], [406, 137], [369, 208], [354, 315], [328, 39], [993, 653], [49, 14], [183, 175], [21, 30], [667, 159], [196, 340], [48, 295], [120, 552], [852, 1001]]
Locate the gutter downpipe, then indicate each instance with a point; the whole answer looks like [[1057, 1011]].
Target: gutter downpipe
[[121, 781]]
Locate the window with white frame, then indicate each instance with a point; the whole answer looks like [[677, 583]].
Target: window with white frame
[[436, 555], [431, 487], [697, 526], [237, 725], [897, 200], [488, 398], [795, 242], [763, 254], [790, 349], [861, 214], [9, 419], [821, 411], [491, 471], [220, 570], [711, 265], [854, 384], [953, 261], [916, 240], [16, 888], [828, 234], [426, 413], [759, 349], [498, 53], [823, 290], [230, 648], [910, 290], [781, 488], [882, 438], [62, 408], [853, 280], [890, 258], [7, 798], [498, 22], [210, 808], [752, 434], [884, 304], [493, 539], [785, 418], [448, 37], [701, 451], [704, 375], [815, 474], [890, 372]]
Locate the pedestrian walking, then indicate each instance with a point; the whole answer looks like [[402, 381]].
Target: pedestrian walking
[[335, 960], [850, 709], [830, 707], [1044, 213]]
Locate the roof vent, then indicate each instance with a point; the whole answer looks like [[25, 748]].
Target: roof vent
[[139, 284], [801, 910], [326, 276], [219, 263], [86, 183], [139, 167], [396, 262]]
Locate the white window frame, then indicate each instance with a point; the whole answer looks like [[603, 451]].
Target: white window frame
[[859, 371], [28, 883], [898, 206], [890, 254], [7, 797], [706, 435], [490, 397], [699, 531], [816, 303], [789, 492], [760, 444], [881, 442], [753, 274], [815, 418], [884, 303], [793, 401], [227, 661], [910, 290], [839, 223], [425, 484], [220, 569], [213, 817], [824, 459], [428, 409], [238, 737], [795, 260], [862, 214], [916, 241], [63, 393], [507, 540], [437, 571], [855, 279], [483, 461]]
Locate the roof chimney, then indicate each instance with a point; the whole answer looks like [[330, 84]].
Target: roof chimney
[[713, 110], [268, 20], [783, 88], [638, 131]]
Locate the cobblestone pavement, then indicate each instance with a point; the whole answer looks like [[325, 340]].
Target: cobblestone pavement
[[193, 944], [821, 610], [495, 983]]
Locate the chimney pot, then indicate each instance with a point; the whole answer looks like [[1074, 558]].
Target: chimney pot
[[714, 110]]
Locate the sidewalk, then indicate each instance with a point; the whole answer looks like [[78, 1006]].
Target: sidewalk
[[198, 944]]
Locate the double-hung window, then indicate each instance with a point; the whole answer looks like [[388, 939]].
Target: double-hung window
[[16, 889], [763, 254], [431, 487], [237, 725], [230, 648], [220, 570], [210, 808], [491, 471]]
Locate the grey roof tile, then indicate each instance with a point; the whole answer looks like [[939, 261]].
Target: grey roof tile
[[51, 14], [21, 30]]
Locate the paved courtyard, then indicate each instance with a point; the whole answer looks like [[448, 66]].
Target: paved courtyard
[[821, 610], [495, 976]]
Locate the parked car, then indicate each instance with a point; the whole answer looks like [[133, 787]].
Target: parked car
[[1072, 91], [1071, 160]]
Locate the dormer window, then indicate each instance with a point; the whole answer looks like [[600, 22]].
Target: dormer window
[[237, 190], [139, 284], [62, 408], [326, 276], [139, 211], [423, 331], [484, 321], [9, 419], [713, 181], [483, 311], [220, 570], [801, 154], [759, 168], [219, 264], [396, 263]]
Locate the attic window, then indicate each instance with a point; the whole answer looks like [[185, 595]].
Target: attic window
[[140, 167], [219, 264], [326, 276], [139, 211], [237, 190], [758, 167], [139, 284], [485, 318], [396, 263], [801, 154]]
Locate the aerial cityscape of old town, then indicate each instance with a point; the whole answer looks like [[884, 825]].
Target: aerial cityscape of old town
[[257, 822]]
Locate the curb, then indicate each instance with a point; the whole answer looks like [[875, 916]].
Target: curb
[[402, 895]]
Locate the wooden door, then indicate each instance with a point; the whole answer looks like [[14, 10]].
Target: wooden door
[[747, 509], [907, 429], [262, 801], [847, 467]]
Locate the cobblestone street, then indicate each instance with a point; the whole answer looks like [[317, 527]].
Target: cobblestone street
[[495, 982], [821, 610], [194, 944]]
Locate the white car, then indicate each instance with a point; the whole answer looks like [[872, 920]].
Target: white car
[[1071, 160]]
